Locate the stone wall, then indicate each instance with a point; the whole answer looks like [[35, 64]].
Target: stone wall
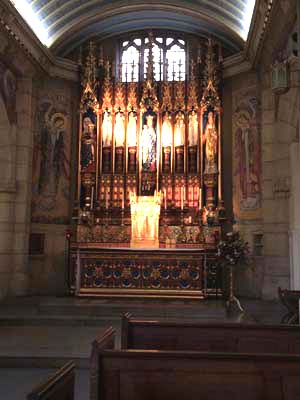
[[54, 122], [15, 166], [279, 120]]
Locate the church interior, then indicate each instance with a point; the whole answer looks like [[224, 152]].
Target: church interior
[[149, 172]]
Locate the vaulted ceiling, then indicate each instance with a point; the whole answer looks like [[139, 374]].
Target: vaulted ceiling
[[64, 24]]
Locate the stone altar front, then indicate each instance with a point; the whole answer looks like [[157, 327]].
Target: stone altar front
[[145, 212]]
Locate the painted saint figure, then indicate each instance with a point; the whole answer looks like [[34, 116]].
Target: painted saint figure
[[131, 129], [210, 139], [88, 142], [247, 152], [148, 143], [107, 129], [193, 128], [166, 131], [119, 129], [179, 132]]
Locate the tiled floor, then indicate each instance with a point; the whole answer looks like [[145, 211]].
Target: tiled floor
[[39, 334]]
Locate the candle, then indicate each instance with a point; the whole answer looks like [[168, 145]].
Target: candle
[[92, 197], [200, 198], [181, 198], [122, 201]]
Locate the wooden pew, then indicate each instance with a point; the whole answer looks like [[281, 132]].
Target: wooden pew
[[105, 341], [187, 375], [234, 338], [59, 386]]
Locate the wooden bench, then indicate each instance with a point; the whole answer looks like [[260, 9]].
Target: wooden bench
[[59, 386], [234, 338], [192, 375]]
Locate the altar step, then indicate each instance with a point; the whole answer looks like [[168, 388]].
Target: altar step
[[70, 311]]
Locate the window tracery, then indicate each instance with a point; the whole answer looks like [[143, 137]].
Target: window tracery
[[169, 54]]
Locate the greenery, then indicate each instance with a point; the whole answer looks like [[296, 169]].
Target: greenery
[[233, 250]]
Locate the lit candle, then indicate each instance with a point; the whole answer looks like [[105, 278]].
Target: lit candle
[[122, 201], [181, 198], [200, 198]]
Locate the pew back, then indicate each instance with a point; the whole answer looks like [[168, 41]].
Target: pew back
[[59, 386], [172, 375], [235, 338], [103, 342]]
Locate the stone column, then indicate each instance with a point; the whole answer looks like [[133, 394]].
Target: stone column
[[7, 198], [19, 280], [294, 234]]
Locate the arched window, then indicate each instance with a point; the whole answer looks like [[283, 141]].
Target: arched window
[[169, 56]]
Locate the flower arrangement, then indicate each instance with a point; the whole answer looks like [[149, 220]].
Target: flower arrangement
[[233, 250]]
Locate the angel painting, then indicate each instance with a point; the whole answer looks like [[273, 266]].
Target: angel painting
[[53, 158]]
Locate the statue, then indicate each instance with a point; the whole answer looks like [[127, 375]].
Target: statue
[[119, 129], [179, 133], [166, 131], [148, 142], [193, 128], [131, 129], [210, 138], [88, 143], [107, 129]]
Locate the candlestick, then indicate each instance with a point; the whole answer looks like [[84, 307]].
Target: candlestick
[[200, 198], [92, 197]]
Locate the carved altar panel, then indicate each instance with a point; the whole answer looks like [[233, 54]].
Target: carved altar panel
[[145, 212]]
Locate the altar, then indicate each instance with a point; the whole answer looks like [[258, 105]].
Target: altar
[[148, 210], [127, 272]]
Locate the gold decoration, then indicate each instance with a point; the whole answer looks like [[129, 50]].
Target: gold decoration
[[119, 95], [145, 212], [107, 92], [192, 89], [210, 97], [179, 95], [149, 99], [90, 68], [132, 97], [167, 98], [88, 99]]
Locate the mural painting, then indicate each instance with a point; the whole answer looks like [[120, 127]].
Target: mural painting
[[247, 153], [51, 160]]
